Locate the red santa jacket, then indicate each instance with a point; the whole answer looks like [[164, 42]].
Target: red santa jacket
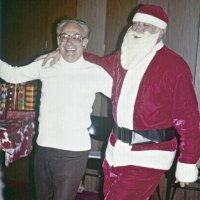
[[165, 98]]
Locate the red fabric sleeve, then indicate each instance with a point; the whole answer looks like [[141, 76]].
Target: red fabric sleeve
[[186, 117], [109, 63]]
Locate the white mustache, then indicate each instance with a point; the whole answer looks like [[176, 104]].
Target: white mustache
[[139, 35]]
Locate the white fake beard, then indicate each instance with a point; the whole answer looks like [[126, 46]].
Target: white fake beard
[[136, 46]]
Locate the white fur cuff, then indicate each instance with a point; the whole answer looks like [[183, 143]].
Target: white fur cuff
[[186, 172]]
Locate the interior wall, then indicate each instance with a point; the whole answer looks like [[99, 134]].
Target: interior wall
[[184, 33], [56, 11], [118, 18], [24, 25], [94, 13], [183, 29]]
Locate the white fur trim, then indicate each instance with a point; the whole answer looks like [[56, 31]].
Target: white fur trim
[[186, 172], [141, 17], [126, 103], [121, 155]]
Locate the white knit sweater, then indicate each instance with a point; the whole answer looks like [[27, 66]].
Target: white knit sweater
[[67, 94]]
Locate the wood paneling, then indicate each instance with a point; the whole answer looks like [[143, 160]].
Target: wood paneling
[[163, 4], [24, 25], [183, 29], [117, 21], [57, 10], [94, 13], [29, 27]]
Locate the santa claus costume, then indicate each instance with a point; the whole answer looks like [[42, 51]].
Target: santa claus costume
[[154, 97]]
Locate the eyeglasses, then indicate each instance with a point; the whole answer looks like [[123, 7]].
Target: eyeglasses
[[76, 38]]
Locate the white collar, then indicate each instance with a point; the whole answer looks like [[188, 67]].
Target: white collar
[[158, 46]]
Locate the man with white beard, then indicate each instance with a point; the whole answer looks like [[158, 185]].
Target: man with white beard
[[137, 45], [153, 98]]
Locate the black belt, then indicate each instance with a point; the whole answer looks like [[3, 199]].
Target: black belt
[[155, 136]]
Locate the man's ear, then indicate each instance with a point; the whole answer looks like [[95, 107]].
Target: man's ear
[[162, 32], [85, 42]]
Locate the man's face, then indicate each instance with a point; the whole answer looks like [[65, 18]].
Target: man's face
[[138, 42], [72, 42], [141, 27]]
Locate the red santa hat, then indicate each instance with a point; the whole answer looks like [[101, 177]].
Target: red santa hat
[[152, 14]]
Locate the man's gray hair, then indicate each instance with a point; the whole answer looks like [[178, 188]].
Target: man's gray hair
[[81, 23]]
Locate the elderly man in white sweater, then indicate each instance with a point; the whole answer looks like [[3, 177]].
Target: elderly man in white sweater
[[67, 94]]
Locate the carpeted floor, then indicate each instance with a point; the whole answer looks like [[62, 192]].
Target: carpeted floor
[[14, 190]]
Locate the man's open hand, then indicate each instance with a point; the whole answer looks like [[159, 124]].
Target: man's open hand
[[54, 56]]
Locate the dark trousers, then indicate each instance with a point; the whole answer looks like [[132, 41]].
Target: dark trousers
[[58, 173]]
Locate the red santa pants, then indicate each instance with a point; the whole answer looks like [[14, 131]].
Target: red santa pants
[[130, 182]]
